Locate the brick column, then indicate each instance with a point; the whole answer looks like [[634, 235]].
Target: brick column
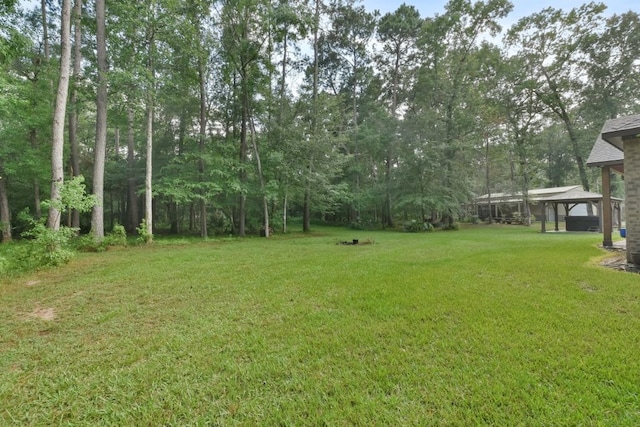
[[605, 213], [632, 198]]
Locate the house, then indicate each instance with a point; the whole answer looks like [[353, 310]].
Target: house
[[617, 150]]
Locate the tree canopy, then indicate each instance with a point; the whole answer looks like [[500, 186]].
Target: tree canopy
[[248, 116]]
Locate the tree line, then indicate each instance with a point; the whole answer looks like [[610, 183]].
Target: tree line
[[235, 116]]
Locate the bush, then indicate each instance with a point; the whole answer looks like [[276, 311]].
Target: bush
[[451, 227], [415, 226], [143, 235], [4, 266], [117, 237], [49, 248]]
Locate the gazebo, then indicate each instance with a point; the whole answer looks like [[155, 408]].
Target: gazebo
[[561, 199]]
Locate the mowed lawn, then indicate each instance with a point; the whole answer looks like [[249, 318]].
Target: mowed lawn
[[490, 325]]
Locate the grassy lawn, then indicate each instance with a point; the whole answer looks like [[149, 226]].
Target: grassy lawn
[[490, 325]]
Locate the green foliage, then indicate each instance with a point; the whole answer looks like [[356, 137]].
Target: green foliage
[[454, 226], [415, 226], [143, 234], [412, 226], [4, 265], [47, 247], [117, 237]]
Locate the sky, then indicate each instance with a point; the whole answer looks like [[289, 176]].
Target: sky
[[521, 8]]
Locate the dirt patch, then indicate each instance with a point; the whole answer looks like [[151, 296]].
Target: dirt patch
[[619, 262], [47, 314], [32, 283]]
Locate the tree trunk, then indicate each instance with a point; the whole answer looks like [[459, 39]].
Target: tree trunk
[[33, 139], [73, 112], [134, 217], [97, 216], [151, 86], [265, 200], [45, 29], [284, 214], [306, 214], [148, 195], [488, 179], [5, 213], [57, 171], [243, 174], [201, 143]]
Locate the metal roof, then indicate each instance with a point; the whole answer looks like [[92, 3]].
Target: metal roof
[[569, 194]]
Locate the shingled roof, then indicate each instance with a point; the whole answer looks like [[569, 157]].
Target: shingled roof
[[605, 154], [616, 130]]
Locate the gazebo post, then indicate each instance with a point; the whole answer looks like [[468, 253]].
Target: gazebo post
[[606, 217], [544, 218], [555, 212]]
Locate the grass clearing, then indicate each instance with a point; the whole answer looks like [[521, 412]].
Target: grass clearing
[[490, 325]]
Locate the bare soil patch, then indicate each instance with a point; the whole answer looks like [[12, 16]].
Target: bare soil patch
[[47, 314]]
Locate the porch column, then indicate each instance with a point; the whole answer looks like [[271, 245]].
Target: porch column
[[555, 212], [632, 196], [606, 217], [544, 218]]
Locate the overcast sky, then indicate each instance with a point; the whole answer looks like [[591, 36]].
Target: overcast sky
[[521, 7]]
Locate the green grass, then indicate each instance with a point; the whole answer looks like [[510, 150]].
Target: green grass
[[490, 325]]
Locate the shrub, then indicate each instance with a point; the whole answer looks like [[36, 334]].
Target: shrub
[[49, 248], [143, 235], [412, 226], [451, 227], [117, 237], [4, 266]]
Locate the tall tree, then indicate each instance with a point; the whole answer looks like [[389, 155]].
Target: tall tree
[[73, 100], [57, 167], [97, 215], [399, 32], [549, 42]]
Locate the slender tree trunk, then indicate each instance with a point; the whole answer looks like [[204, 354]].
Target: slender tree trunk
[[97, 216], [306, 213], [265, 200], [134, 217], [5, 213], [57, 164], [73, 112], [488, 179], [116, 142], [45, 29], [244, 130], [201, 143], [284, 213], [36, 183], [148, 195]]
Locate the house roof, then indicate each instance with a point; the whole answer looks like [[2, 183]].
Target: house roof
[[615, 131], [569, 194], [605, 154]]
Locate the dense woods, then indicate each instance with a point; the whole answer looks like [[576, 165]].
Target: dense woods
[[240, 116]]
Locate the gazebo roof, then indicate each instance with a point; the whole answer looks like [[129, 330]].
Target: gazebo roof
[[568, 194]]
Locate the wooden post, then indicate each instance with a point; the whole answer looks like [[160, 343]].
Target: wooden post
[[544, 218], [555, 212], [605, 216]]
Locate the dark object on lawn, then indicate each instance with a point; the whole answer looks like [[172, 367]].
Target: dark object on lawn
[[353, 242], [356, 242]]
